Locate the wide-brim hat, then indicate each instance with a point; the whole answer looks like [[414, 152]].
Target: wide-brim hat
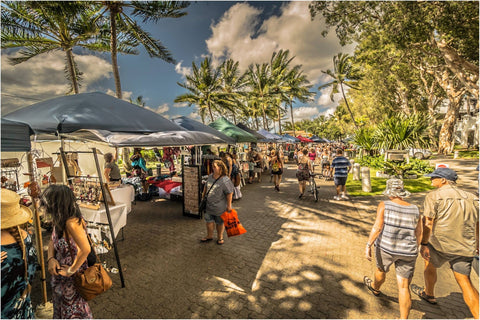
[[13, 213], [395, 188]]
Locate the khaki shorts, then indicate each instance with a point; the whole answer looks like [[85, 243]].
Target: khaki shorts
[[404, 265], [459, 264]]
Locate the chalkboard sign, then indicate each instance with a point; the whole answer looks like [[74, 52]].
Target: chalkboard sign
[[192, 184]]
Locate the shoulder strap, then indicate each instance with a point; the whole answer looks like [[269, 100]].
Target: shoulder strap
[[206, 195], [88, 237]]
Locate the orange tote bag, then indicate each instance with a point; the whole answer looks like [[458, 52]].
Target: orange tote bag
[[232, 224]]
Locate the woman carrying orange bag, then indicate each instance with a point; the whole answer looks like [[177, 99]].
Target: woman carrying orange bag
[[219, 199]]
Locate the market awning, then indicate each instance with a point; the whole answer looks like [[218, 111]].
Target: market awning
[[271, 136], [15, 136], [192, 125], [303, 139], [231, 130], [256, 134], [290, 138], [155, 139], [94, 110]]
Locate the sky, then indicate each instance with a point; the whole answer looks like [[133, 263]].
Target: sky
[[247, 32]]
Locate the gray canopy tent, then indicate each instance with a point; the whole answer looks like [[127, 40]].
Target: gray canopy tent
[[192, 125], [15, 136]]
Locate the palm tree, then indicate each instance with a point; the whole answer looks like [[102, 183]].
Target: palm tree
[[298, 88], [139, 101], [42, 27], [344, 73], [233, 85], [260, 82], [121, 13], [205, 89]]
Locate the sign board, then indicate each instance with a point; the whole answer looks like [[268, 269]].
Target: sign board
[[191, 184]]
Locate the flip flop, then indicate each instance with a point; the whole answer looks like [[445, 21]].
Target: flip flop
[[220, 242], [420, 291], [206, 239], [368, 282]]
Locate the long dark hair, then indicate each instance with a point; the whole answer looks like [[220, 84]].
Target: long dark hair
[[60, 202]]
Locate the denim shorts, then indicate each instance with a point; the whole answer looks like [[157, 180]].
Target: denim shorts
[[404, 265], [459, 264], [212, 218], [339, 181]]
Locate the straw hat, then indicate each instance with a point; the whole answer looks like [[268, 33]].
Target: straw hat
[[13, 213], [395, 189]]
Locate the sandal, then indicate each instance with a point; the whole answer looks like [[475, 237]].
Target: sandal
[[420, 291], [220, 242], [206, 239], [368, 282]]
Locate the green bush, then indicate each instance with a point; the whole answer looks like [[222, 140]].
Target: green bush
[[374, 162], [416, 166]]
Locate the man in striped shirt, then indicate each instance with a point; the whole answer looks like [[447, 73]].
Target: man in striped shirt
[[342, 167]]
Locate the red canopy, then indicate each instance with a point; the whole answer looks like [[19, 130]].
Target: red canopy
[[303, 139]]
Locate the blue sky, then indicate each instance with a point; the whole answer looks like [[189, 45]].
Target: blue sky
[[248, 32]]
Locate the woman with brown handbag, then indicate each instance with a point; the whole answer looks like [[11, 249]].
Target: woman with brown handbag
[[59, 201]]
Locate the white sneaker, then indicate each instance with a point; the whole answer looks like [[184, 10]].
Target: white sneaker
[[337, 198], [344, 197]]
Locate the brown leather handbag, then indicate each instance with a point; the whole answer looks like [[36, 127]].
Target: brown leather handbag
[[94, 280]]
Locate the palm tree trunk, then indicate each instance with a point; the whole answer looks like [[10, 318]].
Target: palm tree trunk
[[210, 111], [234, 118], [293, 123], [113, 50], [71, 70], [279, 121], [348, 107]]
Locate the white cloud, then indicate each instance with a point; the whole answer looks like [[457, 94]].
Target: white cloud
[[163, 108], [305, 113], [43, 77], [183, 71], [180, 105], [125, 94], [240, 35]]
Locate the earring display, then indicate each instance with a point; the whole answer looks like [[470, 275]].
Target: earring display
[[88, 192]]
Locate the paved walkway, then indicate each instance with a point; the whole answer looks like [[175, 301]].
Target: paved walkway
[[299, 259]]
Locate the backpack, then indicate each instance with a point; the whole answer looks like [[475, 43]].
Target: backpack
[[276, 167]]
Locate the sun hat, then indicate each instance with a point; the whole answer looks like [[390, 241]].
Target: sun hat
[[395, 189], [13, 213], [446, 173]]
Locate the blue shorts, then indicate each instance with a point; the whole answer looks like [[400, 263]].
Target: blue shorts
[[340, 181], [212, 218]]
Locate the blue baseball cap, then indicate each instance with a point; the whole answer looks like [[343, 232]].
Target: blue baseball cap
[[446, 173]]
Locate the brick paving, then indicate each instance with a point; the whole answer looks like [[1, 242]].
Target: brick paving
[[299, 259]]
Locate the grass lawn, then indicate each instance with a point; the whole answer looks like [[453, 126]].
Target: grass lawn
[[354, 188], [468, 154]]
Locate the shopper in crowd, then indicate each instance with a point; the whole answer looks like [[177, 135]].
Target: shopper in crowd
[[325, 162], [68, 238], [139, 166], [312, 155], [258, 169], [342, 167], [450, 234], [18, 258], [227, 159], [276, 163], [396, 234], [219, 199], [111, 171], [303, 172], [251, 165]]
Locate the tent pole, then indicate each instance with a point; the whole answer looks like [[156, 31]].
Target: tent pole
[[38, 229]]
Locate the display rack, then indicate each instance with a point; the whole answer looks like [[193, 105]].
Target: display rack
[[192, 188], [9, 174], [105, 198]]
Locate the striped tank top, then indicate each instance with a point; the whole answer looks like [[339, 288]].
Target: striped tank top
[[398, 234]]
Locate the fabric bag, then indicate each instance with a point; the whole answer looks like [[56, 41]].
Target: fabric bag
[[202, 207], [232, 224], [94, 280], [237, 194]]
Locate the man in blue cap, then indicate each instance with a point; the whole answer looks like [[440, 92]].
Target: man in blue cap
[[450, 234]]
